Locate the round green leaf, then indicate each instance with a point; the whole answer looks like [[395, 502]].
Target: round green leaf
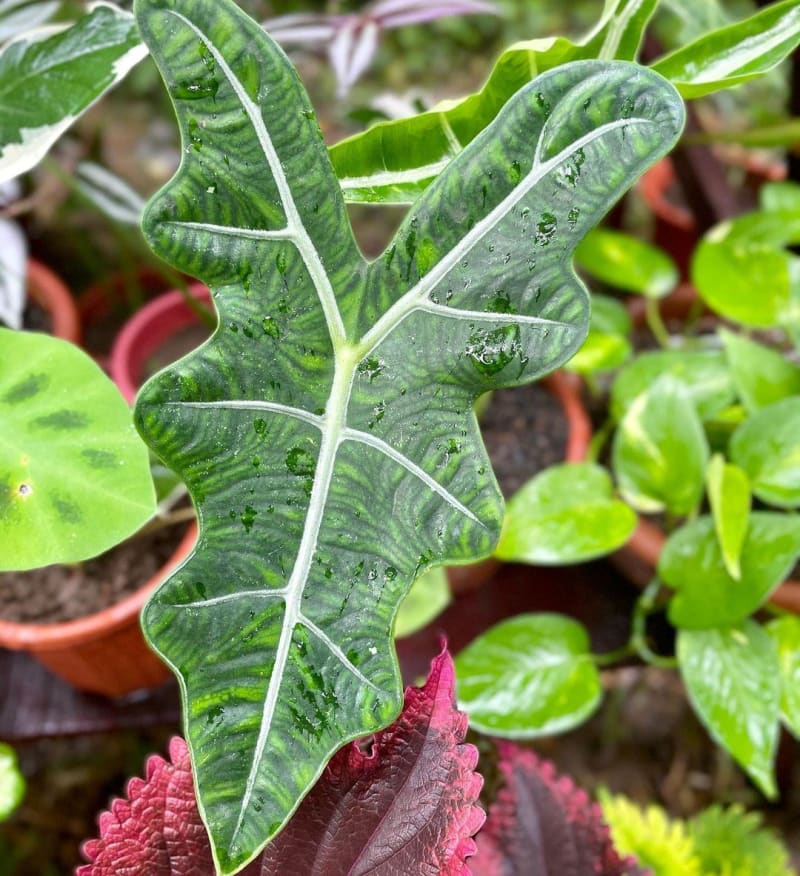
[[529, 676], [12, 784], [785, 633], [607, 345], [627, 263], [703, 374], [660, 451], [767, 447], [566, 514], [71, 463], [761, 375], [708, 596], [428, 597], [731, 676]]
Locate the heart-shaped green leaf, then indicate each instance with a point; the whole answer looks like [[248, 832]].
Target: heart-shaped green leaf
[[761, 375], [703, 374], [566, 514], [74, 475], [660, 451], [728, 489], [734, 54], [627, 263], [326, 430], [732, 678], [708, 595], [785, 633], [45, 84], [529, 676], [767, 447], [393, 162], [607, 345]]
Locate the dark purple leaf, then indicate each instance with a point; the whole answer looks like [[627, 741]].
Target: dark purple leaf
[[409, 805], [541, 824]]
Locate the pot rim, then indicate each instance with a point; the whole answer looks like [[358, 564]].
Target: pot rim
[[48, 290], [56, 636]]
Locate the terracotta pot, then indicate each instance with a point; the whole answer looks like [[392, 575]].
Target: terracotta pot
[[639, 557], [567, 390], [48, 291], [103, 652], [146, 331]]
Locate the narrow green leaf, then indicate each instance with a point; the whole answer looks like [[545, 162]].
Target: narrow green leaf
[[736, 53], [45, 84], [762, 376], [778, 135], [71, 463], [606, 346], [566, 514], [393, 162], [732, 678], [704, 376], [708, 596], [627, 263], [728, 490], [428, 597], [785, 633], [767, 447], [744, 254], [12, 783], [326, 430], [660, 451], [529, 676]]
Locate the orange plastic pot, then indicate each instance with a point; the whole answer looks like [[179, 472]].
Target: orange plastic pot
[[566, 388], [48, 291], [638, 559], [103, 652]]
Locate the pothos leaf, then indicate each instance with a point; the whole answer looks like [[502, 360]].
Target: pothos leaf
[[326, 430], [542, 823], [419, 779]]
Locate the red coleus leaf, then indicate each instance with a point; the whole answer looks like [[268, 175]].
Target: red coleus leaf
[[541, 824], [406, 806]]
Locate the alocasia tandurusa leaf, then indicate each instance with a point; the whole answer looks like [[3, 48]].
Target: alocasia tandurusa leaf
[[326, 430], [407, 806]]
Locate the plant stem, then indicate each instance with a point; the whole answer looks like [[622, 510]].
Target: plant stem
[[599, 440], [181, 515], [609, 658], [645, 606], [655, 323]]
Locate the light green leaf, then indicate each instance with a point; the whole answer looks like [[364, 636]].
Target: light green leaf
[[708, 595], [627, 263], [744, 254], [736, 53], [704, 376], [12, 784], [529, 676], [326, 430], [393, 162], [45, 84], [731, 676], [660, 451], [607, 345], [785, 632], [566, 514], [728, 490], [761, 375], [781, 134], [780, 196], [428, 597], [71, 463], [767, 447]]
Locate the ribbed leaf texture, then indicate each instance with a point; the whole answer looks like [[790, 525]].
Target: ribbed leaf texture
[[541, 824], [408, 805]]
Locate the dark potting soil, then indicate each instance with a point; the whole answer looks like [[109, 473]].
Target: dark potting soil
[[61, 593], [524, 430], [36, 319]]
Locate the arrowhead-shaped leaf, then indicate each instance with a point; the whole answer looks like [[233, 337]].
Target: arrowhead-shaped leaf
[[326, 430]]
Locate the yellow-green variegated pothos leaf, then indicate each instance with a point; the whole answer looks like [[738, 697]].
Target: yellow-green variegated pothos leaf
[[326, 430]]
